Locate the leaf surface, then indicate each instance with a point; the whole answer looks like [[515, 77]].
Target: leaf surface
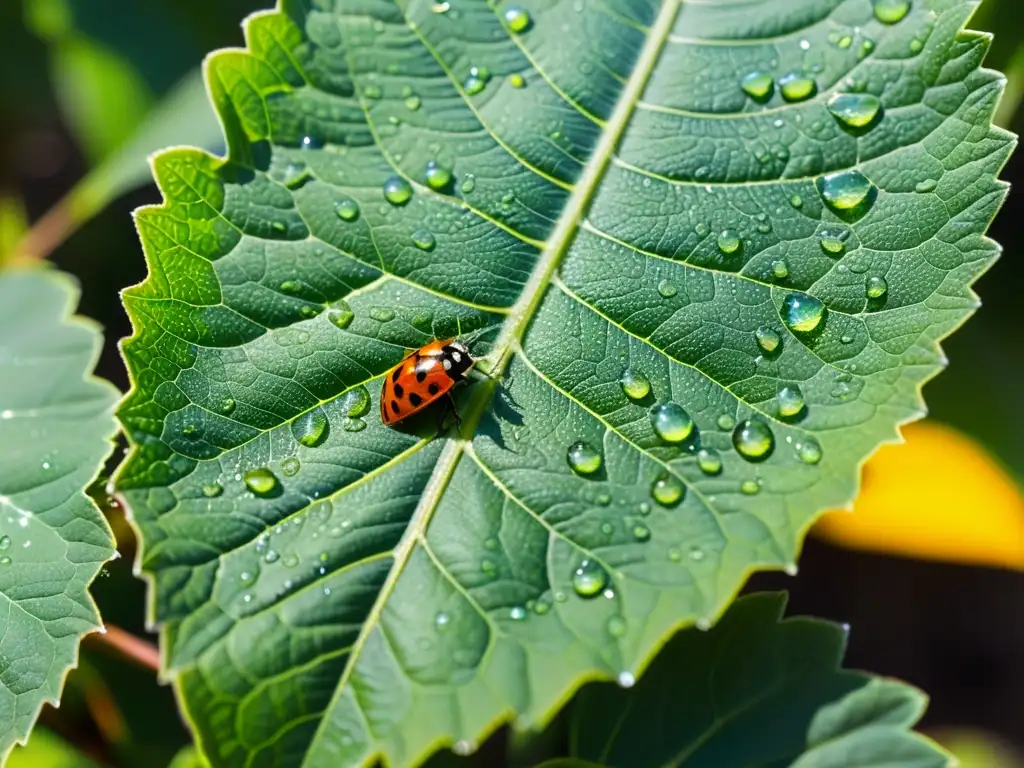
[[756, 690], [55, 431], [582, 190]]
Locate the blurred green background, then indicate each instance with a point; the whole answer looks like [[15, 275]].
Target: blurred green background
[[93, 86]]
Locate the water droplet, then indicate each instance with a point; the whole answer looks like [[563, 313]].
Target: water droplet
[[768, 340], [478, 77], [468, 184], [357, 401], [296, 177], [583, 459], [310, 428], [518, 613], [437, 176], [750, 487], [758, 86], [607, 529], [290, 561], [423, 240], [855, 110], [674, 554], [709, 461], [397, 190], [5, 560], [890, 11], [382, 314], [635, 385], [341, 314], [261, 482], [808, 450], [696, 553], [796, 201], [189, 429], [928, 185], [372, 92], [617, 626], [5, 542], [802, 313], [641, 533], [832, 242], [728, 241], [796, 86], [604, 499], [516, 80], [227, 406], [726, 421], [271, 557], [790, 401], [589, 579], [347, 210], [875, 287], [626, 680], [441, 621], [488, 567], [290, 466], [753, 440], [291, 286], [517, 19], [667, 289], [780, 269], [353, 425], [845, 191], [671, 422], [667, 490]]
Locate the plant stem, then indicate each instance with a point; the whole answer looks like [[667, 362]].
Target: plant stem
[[128, 646]]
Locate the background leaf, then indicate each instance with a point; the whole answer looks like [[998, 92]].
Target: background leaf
[[755, 690], [47, 750], [55, 430], [594, 188]]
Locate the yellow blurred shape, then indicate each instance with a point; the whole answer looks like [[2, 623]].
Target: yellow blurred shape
[[939, 496]]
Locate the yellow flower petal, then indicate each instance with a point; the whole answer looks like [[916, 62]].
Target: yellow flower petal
[[939, 496]]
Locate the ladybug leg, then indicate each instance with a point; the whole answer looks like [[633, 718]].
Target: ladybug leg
[[455, 411]]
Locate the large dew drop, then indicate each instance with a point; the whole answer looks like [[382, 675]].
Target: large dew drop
[[855, 110], [728, 241], [753, 440], [768, 339], [845, 191], [796, 86], [709, 461], [876, 287], [347, 210], [583, 459], [310, 428], [590, 579], [808, 450], [890, 11], [667, 490], [261, 482], [758, 85], [477, 80], [341, 314], [397, 190], [424, 240], [790, 401], [436, 176], [802, 313], [516, 19], [357, 402], [671, 422], [635, 385]]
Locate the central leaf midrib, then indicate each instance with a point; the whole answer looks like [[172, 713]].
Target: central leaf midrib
[[517, 322]]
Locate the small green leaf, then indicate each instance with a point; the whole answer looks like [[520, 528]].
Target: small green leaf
[[55, 429], [47, 750], [755, 690], [590, 192]]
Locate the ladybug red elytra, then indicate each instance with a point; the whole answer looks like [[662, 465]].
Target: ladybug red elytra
[[423, 377]]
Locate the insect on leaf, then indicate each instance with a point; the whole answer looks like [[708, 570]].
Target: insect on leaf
[[707, 252]]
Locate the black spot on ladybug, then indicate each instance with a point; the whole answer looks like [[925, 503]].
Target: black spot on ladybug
[[396, 374], [415, 399], [395, 408], [421, 376], [433, 389], [399, 392]]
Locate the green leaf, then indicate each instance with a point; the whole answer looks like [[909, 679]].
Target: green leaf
[[755, 690], [605, 195], [47, 750], [55, 428]]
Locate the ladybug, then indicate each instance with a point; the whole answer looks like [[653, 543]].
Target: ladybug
[[426, 375]]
